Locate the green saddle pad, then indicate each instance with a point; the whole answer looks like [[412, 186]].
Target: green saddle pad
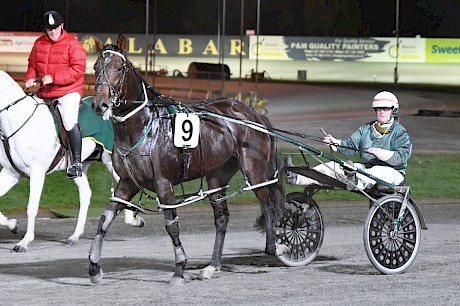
[[92, 125]]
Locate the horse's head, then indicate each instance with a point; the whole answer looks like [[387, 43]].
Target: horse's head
[[111, 69]]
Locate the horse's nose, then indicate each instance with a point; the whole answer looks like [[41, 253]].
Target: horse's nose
[[100, 108], [100, 104]]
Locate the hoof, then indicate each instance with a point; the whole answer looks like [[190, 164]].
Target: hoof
[[15, 230], [208, 272], [97, 278], [71, 242], [19, 249], [141, 222], [177, 281], [281, 249]]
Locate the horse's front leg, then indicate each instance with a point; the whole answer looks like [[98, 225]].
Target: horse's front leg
[[95, 270], [12, 224], [130, 219], [173, 230], [221, 217], [37, 179], [7, 181]]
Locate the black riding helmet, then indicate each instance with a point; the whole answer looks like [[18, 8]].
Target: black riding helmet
[[52, 19]]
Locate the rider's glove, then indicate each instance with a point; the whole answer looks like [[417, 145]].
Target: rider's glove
[[30, 83], [328, 139], [381, 154]]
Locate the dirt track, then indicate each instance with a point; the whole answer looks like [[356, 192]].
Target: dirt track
[[138, 264]]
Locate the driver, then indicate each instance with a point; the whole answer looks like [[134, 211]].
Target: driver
[[384, 145], [60, 61]]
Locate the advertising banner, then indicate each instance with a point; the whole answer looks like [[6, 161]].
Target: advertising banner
[[442, 50], [204, 46], [336, 49], [263, 47], [17, 42]]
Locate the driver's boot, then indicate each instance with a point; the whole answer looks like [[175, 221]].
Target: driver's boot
[[76, 168]]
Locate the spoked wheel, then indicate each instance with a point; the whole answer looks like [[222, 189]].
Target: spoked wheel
[[300, 230], [391, 244]]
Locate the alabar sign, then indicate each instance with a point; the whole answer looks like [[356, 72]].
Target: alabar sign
[[263, 47]]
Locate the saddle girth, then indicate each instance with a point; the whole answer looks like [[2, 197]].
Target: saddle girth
[[184, 164]]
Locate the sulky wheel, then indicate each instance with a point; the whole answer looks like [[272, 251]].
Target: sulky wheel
[[391, 245], [300, 230]]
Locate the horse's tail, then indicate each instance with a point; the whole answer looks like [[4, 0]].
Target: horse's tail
[[276, 192], [277, 197]]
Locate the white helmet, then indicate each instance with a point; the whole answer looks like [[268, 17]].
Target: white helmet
[[386, 99]]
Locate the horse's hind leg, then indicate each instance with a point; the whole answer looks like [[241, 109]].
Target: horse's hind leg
[[221, 216], [84, 191], [95, 270], [271, 198]]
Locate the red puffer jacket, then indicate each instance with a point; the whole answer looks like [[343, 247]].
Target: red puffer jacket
[[64, 60]]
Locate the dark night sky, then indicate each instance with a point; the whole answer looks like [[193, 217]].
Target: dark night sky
[[429, 18]]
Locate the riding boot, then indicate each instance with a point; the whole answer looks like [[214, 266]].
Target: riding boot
[[76, 168]]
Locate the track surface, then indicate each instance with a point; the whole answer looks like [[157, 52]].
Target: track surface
[[138, 263]]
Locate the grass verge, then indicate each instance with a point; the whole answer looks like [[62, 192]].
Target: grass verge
[[431, 176]]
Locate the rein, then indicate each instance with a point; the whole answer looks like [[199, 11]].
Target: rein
[[134, 111], [13, 103]]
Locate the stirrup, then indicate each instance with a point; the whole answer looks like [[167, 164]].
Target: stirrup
[[75, 170]]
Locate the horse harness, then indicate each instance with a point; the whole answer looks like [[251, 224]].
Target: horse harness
[[5, 139], [115, 98]]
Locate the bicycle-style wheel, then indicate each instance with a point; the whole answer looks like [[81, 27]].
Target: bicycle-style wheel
[[392, 245], [300, 231]]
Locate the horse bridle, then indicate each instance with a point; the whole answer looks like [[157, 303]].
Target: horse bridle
[[115, 92]]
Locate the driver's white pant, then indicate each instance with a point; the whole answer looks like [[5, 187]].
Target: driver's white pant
[[68, 106], [387, 174]]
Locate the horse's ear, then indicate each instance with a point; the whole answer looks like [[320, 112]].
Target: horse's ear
[[121, 43], [99, 44]]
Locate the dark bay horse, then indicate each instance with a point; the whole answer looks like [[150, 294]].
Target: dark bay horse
[[146, 155]]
